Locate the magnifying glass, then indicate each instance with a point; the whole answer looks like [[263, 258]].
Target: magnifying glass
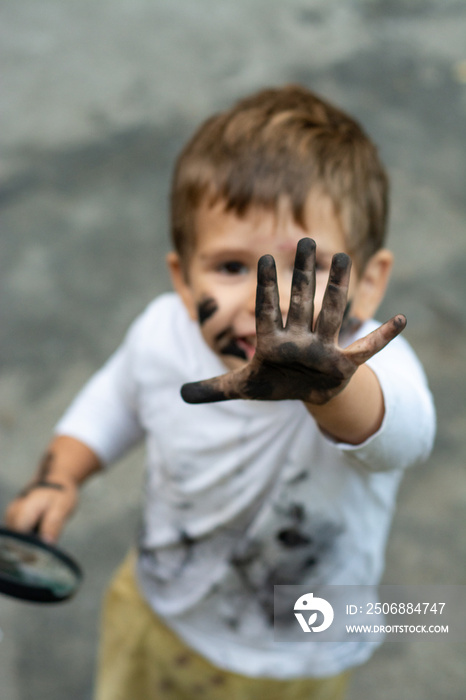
[[33, 570]]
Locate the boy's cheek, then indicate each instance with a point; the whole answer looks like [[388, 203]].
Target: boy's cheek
[[209, 317]]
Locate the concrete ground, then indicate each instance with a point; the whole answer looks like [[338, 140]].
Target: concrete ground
[[98, 97]]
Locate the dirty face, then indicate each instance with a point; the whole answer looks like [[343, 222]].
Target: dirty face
[[220, 289]]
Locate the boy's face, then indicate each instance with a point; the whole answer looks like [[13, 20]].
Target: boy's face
[[220, 288]]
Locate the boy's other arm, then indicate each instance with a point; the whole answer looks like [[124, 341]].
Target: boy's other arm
[[301, 362], [50, 498]]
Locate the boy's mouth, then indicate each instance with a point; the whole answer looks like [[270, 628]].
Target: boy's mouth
[[247, 345]]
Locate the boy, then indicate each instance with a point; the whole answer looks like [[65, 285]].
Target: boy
[[295, 483]]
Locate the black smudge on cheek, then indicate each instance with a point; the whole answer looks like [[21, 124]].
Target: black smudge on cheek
[[205, 309], [223, 334], [231, 347], [234, 349]]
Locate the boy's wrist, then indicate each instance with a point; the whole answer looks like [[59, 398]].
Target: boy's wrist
[[356, 413], [66, 465], [58, 482]]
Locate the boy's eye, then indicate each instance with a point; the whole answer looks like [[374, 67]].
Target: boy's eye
[[233, 267]]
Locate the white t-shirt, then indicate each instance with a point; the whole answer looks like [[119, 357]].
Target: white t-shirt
[[242, 495]]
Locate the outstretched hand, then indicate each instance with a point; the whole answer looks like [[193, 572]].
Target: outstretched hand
[[297, 361]]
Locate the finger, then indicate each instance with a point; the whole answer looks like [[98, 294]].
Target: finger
[[303, 285], [363, 349], [53, 521], [226, 386], [268, 314], [334, 301], [24, 516]]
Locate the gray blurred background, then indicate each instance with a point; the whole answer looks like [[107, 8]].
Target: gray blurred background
[[98, 96]]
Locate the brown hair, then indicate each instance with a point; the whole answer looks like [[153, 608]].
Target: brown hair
[[283, 141]]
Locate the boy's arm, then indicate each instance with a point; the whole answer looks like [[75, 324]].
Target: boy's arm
[[105, 423], [51, 497], [299, 362], [356, 413]]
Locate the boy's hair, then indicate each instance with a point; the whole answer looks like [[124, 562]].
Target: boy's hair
[[284, 141]]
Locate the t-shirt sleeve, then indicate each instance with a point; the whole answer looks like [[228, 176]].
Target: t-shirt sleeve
[[407, 433], [104, 414]]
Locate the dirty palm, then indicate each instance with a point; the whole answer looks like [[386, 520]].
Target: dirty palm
[[298, 360]]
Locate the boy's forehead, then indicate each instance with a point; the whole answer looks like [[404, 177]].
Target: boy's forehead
[[320, 220]]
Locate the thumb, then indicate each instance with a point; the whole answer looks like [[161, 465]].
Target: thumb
[[221, 388], [363, 349], [51, 525]]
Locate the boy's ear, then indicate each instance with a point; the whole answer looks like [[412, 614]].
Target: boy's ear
[[180, 283], [371, 285]]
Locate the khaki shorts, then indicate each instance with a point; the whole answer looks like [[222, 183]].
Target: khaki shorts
[[141, 659]]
